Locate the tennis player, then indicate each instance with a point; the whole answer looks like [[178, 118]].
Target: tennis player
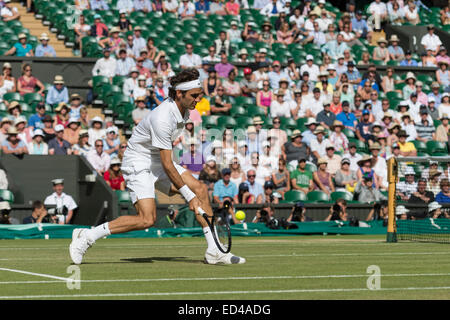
[[147, 165]]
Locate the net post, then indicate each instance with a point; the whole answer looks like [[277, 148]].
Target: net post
[[392, 179]]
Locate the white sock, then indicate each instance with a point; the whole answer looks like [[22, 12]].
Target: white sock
[[209, 239], [98, 232]]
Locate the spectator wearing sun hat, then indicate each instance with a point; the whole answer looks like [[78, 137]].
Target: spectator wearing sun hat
[[37, 145], [71, 132], [96, 130], [58, 92], [44, 49], [21, 48]]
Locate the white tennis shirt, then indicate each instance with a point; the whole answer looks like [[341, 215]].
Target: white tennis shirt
[[157, 130]]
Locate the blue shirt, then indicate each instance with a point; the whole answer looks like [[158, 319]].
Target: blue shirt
[[54, 144], [222, 191], [6, 143], [21, 51], [44, 51], [202, 7], [35, 121], [106, 147], [55, 96], [442, 198], [98, 5], [359, 25], [374, 86], [348, 119], [411, 63], [308, 136], [256, 189]]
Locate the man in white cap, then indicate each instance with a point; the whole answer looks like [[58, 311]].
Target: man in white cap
[[435, 212], [131, 82], [267, 159], [401, 213], [406, 188], [61, 200], [59, 146], [311, 68], [147, 165], [44, 49]]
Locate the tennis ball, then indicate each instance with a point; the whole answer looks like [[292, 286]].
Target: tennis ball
[[240, 215]]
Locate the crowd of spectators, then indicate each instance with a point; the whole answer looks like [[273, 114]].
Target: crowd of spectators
[[350, 126]]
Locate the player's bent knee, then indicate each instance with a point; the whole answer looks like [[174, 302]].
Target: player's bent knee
[[145, 223]]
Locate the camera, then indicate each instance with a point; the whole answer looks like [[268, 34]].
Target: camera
[[297, 214], [52, 213], [227, 204], [336, 211]]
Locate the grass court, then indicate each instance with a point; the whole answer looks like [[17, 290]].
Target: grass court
[[296, 267]]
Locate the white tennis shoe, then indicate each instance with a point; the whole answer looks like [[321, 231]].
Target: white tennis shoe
[[80, 244], [218, 257]]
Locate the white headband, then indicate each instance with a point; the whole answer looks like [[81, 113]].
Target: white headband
[[185, 86]]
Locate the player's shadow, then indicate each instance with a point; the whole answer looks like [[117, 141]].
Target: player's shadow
[[166, 259]]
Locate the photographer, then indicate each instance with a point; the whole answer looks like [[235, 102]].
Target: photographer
[[338, 211], [5, 209], [298, 213], [379, 212], [266, 215], [226, 209], [40, 214], [65, 205]]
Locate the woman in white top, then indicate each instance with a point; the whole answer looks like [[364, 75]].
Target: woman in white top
[[96, 130], [37, 145], [170, 6], [229, 146], [411, 13], [141, 89], [82, 4], [7, 81], [82, 147], [237, 174]]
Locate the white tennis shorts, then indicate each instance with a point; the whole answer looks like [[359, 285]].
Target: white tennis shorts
[[142, 177]]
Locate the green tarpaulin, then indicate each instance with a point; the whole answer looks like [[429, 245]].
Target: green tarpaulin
[[52, 231]]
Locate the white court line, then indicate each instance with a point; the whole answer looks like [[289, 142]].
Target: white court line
[[219, 278], [144, 294], [38, 274], [270, 255]]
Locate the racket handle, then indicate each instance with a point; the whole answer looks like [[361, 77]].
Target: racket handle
[[201, 211]]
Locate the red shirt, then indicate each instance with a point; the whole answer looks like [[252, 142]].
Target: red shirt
[[115, 182], [336, 108]]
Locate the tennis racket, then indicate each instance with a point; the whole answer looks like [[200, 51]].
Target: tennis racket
[[220, 229]]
